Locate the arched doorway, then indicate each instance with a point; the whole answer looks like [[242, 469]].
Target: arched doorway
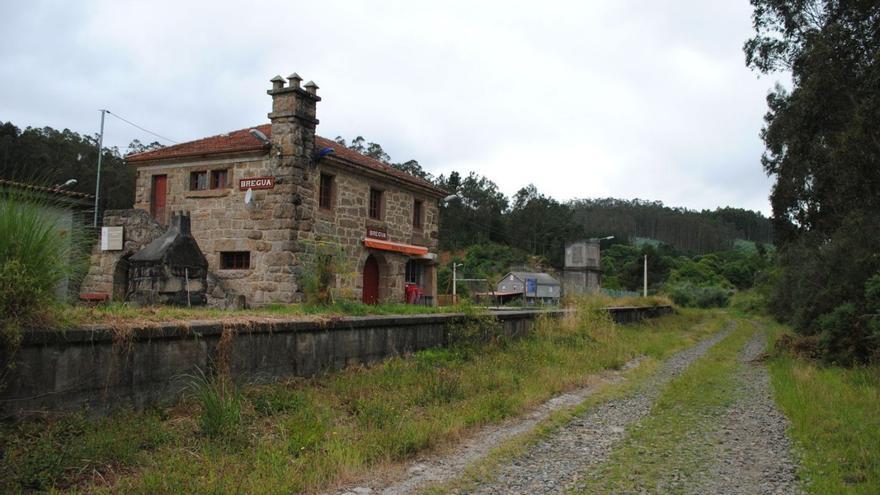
[[371, 280]]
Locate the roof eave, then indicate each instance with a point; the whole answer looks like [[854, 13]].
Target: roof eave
[[187, 157], [430, 190]]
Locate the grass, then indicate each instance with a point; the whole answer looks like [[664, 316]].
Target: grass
[[120, 314], [835, 421], [125, 314], [670, 443], [312, 434]]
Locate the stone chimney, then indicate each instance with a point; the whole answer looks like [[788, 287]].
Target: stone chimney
[[293, 119], [182, 223]]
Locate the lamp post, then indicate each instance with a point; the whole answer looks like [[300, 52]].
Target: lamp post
[[454, 280]]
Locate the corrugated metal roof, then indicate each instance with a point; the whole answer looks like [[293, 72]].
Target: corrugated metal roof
[[542, 278]]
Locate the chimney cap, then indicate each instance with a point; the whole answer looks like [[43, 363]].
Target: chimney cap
[[311, 87], [277, 82], [294, 76]]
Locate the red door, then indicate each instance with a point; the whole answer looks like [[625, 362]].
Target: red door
[[371, 281], [157, 197]]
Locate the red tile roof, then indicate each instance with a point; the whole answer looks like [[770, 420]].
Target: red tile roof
[[242, 141], [44, 189]]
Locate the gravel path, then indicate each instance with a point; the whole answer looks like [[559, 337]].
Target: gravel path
[[752, 453], [450, 465], [555, 463]]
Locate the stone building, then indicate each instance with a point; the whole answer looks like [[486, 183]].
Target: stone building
[[266, 202]]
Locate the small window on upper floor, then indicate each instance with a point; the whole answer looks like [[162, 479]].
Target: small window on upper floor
[[198, 181], [219, 179], [325, 192], [375, 204], [417, 214]]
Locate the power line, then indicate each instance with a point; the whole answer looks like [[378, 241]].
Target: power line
[[141, 128]]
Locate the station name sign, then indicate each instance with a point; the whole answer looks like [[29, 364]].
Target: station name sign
[[375, 233], [256, 183]]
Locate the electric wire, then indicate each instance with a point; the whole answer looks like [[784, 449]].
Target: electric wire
[[141, 128]]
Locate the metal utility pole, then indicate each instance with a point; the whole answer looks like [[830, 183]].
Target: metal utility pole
[[454, 280], [645, 290], [100, 155]]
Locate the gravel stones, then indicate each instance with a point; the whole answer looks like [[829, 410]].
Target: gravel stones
[[554, 464], [753, 453]]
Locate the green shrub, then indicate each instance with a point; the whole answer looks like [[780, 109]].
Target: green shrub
[[323, 262], [477, 326], [691, 295], [749, 301], [220, 402]]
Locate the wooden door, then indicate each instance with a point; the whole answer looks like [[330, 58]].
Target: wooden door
[[157, 197], [371, 281]]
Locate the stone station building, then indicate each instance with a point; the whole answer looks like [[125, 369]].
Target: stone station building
[[266, 201]]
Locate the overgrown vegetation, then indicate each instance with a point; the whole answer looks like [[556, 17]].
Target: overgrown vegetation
[[36, 256], [219, 400], [306, 434], [833, 414]]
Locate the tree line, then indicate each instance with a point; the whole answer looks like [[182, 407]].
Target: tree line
[[47, 156], [541, 225]]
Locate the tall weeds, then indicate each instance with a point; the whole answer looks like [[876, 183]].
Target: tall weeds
[[36, 255], [220, 401]]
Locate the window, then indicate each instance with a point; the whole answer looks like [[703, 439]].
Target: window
[[219, 179], [198, 181], [417, 214], [413, 272], [375, 204], [235, 260], [325, 192]]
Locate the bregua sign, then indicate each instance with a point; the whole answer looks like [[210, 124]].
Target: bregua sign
[[256, 183]]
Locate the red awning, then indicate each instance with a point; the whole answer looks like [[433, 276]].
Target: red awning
[[395, 246]]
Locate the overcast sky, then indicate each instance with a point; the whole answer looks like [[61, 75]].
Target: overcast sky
[[630, 99]]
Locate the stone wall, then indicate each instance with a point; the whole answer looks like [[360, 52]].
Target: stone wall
[[94, 370]]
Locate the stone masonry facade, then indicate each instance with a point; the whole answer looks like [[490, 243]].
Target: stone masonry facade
[[281, 228]]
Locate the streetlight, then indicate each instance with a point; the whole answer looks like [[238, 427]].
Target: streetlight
[[454, 266]]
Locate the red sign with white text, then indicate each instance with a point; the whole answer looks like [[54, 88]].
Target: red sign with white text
[[375, 233], [256, 183]]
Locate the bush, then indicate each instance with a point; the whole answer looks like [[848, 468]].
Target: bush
[[323, 264], [749, 301], [691, 295], [476, 326]]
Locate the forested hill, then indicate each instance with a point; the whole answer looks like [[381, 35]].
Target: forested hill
[[685, 230]]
